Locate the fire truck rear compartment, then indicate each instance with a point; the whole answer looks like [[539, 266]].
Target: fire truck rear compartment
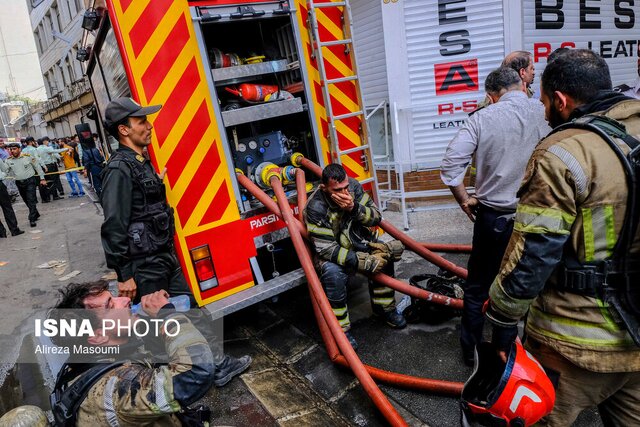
[[278, 258], [253, 61]]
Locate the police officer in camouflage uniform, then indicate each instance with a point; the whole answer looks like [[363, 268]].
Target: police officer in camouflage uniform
[[138, 228], [140, 392], [340, 217], [26, 170], [560, 258]]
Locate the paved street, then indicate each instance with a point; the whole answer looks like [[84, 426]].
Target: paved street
[[291, 382]]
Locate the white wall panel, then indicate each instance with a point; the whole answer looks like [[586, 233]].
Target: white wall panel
[[437, 115]]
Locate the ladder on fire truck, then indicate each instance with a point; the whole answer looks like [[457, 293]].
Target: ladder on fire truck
[[317, 44]]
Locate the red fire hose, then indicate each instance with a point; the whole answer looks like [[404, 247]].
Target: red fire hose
[[267, 201], [392, 378], [304, 162], [397, 234], [422, 251], [380, 400], [414, 291], [449, 248], [301, 189], [447, 388]]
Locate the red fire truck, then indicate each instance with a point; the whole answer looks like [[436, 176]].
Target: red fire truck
[[243, 83]]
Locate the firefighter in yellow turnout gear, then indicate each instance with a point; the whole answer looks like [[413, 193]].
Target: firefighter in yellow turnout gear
[[339, 217], [572, 206]]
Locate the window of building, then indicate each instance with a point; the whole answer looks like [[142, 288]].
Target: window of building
[[49, 23], [64, 78], [71, 13], [56, 19], [77, 66], [47, 83], [51, 82], [39, 45], [70, 70], [43, 36]]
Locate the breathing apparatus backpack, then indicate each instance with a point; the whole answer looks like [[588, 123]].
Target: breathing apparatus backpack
[[615, 280], [66, 399], [443, 283]]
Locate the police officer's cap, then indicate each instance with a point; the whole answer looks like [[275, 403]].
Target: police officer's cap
[[121, 108], [12, 145]]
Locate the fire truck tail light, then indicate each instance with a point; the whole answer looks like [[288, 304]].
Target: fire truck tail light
[[200, 252], [204, 269], [203, 265]]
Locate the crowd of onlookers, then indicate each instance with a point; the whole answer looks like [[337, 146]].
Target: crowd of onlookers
[[23, 162]]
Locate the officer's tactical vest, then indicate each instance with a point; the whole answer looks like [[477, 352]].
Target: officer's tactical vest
[[616, 279], [150, 232]]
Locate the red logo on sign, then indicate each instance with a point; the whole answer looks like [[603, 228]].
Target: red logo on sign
[[456, 77]]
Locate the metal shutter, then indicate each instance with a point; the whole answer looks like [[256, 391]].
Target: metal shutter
[[370, 53], [484, 22]]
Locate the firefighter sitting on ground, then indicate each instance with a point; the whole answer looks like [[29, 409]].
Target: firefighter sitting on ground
[[338, 217], [136, 392]]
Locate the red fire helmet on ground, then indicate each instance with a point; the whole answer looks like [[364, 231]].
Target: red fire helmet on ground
[[513, 394]]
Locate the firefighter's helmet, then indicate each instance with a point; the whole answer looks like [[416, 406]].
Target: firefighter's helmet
[[24, 416], [513, 394]]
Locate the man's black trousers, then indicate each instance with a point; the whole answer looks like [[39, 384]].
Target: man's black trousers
[[7, 210], [491, 233], [53, 181], [27, 189]]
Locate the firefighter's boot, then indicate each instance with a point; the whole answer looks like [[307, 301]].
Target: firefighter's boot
[[383, 303], [342, 314], [394, 319], [352, 340], [229, 368]]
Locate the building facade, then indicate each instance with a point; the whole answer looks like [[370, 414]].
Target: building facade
[[426, 61], [57, 31], [11, 113]]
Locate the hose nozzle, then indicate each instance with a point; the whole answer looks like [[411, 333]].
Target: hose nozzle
[[288, 175], [295, 159], [265, 171]]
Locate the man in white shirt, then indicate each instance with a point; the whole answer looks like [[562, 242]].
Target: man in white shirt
[[502, 137]]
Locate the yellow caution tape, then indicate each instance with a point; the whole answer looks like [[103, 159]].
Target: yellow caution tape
[[79, 168]]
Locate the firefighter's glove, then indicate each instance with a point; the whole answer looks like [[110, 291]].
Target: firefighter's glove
[[495, 317], [370, 263], [505, 330], [396, 248], [393, 249], [380, 249]]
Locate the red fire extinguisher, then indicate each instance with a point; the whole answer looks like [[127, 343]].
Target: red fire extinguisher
[[252, 92]]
